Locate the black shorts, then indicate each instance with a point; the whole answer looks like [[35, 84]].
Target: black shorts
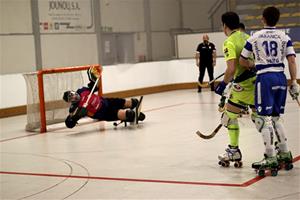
[[109, 109]]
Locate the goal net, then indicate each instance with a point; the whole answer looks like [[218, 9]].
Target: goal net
[[45, 90]]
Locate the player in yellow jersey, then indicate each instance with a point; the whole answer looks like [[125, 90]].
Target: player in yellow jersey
[[242, 91]]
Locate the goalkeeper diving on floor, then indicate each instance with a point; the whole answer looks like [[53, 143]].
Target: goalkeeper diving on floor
[[85, 103]]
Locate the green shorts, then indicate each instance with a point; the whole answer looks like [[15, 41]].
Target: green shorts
[[243, 93]]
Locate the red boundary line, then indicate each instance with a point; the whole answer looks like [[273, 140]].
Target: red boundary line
[[245, 184]]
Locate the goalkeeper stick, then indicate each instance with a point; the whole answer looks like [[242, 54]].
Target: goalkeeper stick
[[210, 135], [92, 91], [210, 82]]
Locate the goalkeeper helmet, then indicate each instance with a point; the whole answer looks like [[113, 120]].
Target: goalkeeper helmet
[[71, 96]]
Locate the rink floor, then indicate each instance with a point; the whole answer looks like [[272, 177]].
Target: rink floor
[[161, 158]]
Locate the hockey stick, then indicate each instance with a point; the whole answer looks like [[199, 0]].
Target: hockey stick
[[204, 85], [82, 111], [138, 110], [298, 101], [210, 135], [90, 95]]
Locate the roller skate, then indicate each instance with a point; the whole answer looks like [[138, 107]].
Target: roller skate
[[268, 163], [232, 154], [285, 159]]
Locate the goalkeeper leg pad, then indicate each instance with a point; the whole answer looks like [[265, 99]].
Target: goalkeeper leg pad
[[130, 115]]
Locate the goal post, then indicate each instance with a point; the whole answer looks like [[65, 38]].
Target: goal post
[[45, 89]]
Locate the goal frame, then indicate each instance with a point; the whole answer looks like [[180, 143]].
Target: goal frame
[[42, 72]]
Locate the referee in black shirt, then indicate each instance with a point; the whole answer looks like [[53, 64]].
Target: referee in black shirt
[[206, 58]]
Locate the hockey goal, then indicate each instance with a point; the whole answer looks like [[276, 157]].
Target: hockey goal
[[45, 90]]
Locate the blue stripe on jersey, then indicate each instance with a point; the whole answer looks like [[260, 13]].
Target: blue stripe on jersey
[[262, 66], [289, 43], [248, 46]]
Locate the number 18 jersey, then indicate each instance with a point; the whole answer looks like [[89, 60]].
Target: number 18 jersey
[[270, 47]]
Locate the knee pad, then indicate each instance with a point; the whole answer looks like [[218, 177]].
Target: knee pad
[[229, 118], [130, 114], [261, 121], [134, 103], [279, 129], [276, 119], [276, 122]]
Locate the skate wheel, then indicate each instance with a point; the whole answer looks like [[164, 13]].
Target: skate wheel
[[224, 163], [274, 172], [261, 172], [238, 164], [289, 166]]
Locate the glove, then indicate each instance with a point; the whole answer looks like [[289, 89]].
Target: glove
[[70, 123], [294, 90], [93, 73], [220, 88]]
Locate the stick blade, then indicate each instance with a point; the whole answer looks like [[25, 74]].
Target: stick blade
[[203, 85], [206, 137]]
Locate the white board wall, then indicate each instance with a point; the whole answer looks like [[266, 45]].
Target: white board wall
[[123, 77], [187, 43]]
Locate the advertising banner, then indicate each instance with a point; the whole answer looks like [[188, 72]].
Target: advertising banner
[[64, 16]]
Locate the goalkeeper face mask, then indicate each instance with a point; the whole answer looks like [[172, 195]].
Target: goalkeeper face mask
[[71, 97]]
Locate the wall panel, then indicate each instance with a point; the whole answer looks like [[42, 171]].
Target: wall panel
[[17, 54], [68, 50], [15, 16]]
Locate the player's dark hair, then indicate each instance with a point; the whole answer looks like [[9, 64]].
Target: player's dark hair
[[242, 26], [231, 20], [271, 15]]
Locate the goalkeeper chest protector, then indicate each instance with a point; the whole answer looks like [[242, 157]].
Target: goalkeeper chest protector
[[94, 104]]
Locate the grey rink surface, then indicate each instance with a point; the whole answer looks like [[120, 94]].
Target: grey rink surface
[[161, 158]]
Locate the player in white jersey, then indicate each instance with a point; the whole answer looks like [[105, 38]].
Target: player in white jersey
[[270, 47]]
